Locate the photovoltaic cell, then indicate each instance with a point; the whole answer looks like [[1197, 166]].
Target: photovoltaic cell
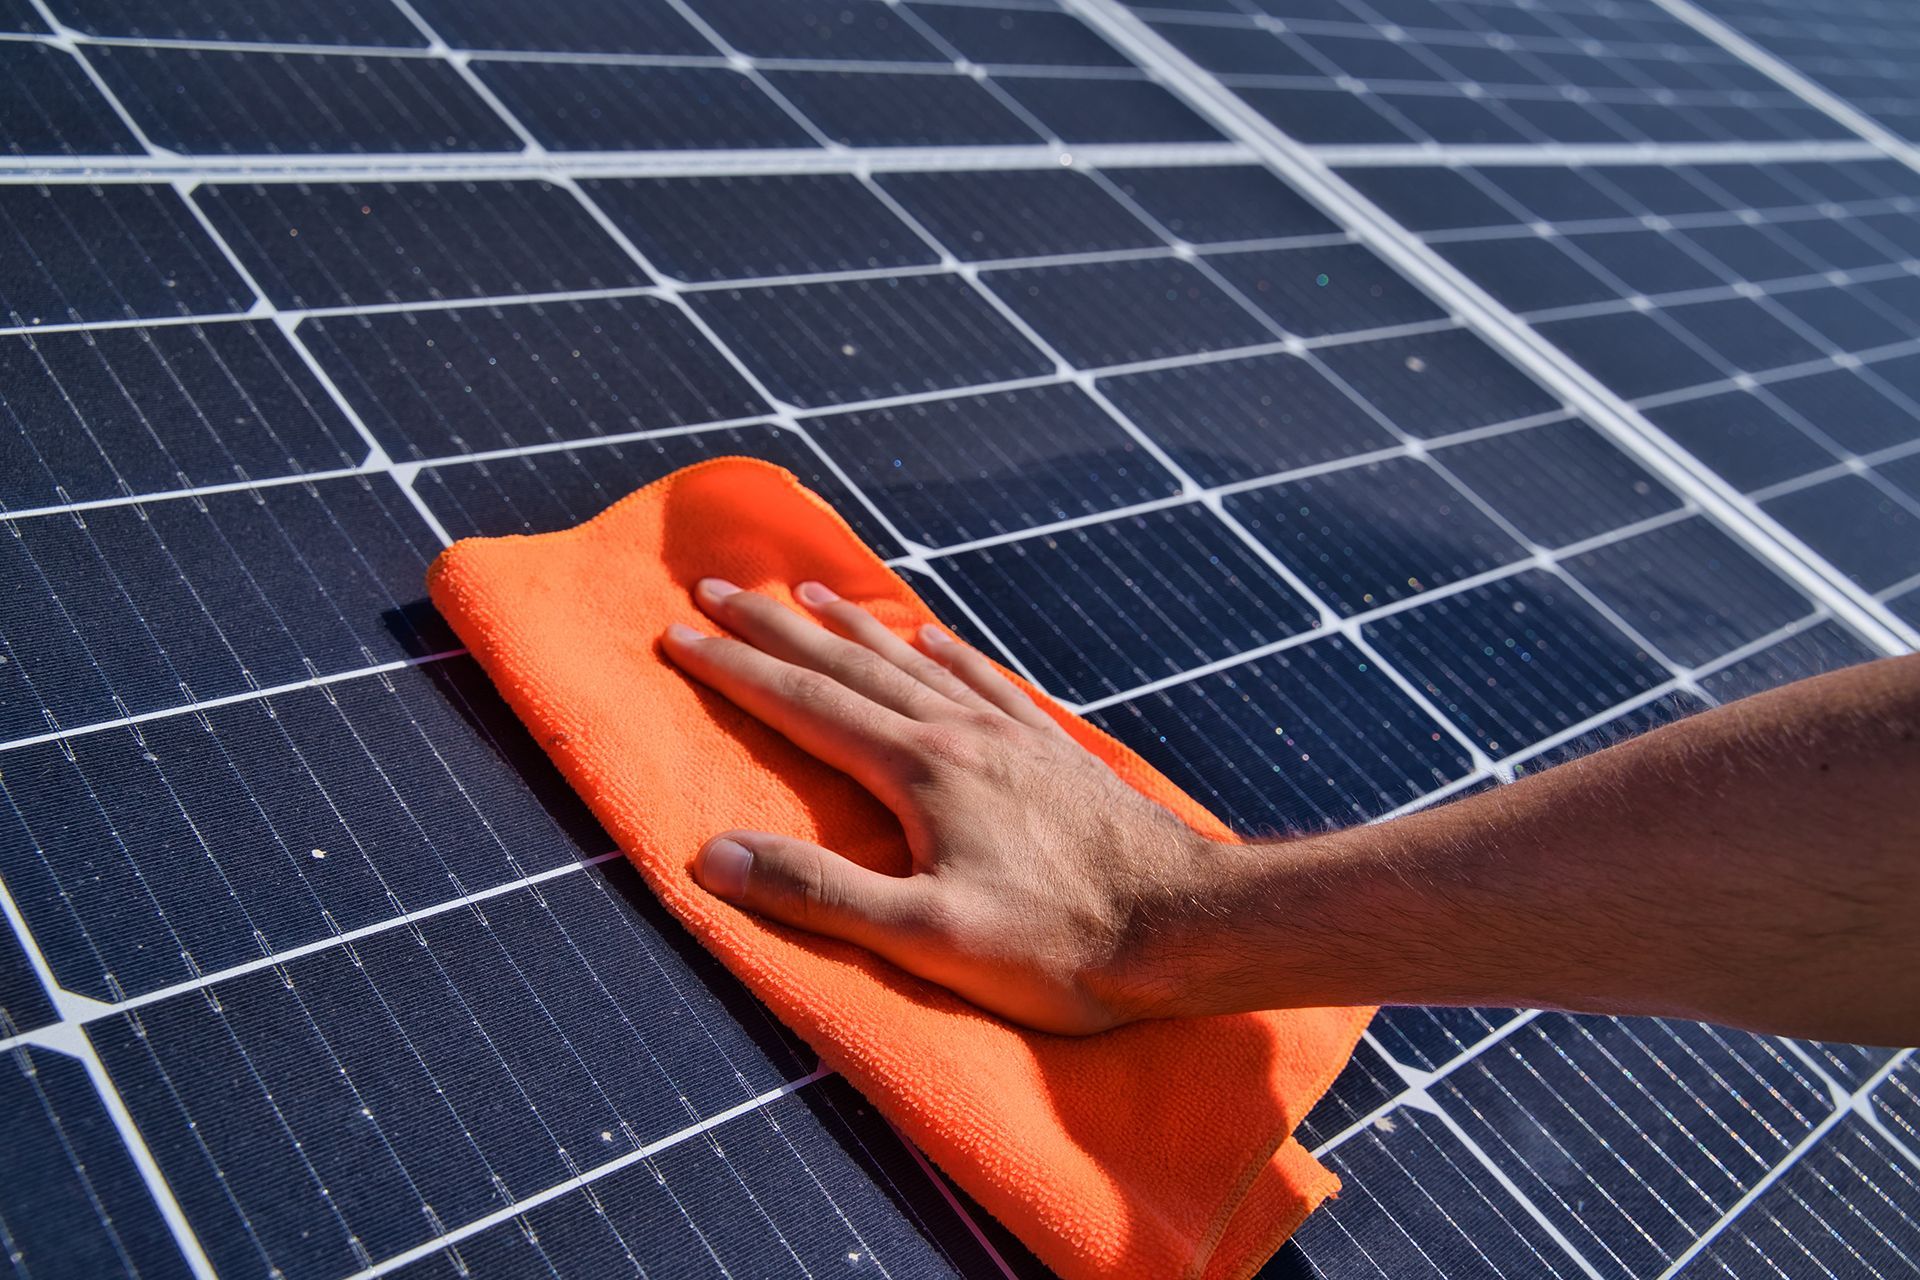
[[1366, 1084], [1559, 483], [1367, 536], [1648, 716], [446, 381], [119, 251], [836, 343], [337, 244], [1515, 660], [1083, 110], [1868, 532], [1429, 1038], [24, 1004], [1440, 382], [901, 109], [551, 489], [1017, 36], [1825, 647], [75, 1203], [1108, 313], [1312, 737], [1099, 609], [1331, 289], [737, 228], [47, 106], [215, 102], [100, 415], [955, 469], [1228, 421], [817, 29], [136, 608], [356, 22], [1224, 204], [565, 26], [984, 214], [580, 106]]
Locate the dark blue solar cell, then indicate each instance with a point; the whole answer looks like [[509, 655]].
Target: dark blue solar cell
[[1834, 243], [1372, 57], [1644, 261], [1903, 473], [113, 252], [1434, 384], [1632, 1136], [1896, 1102], [214, 102], [1455, 118], [825, 29], [1827, 646], [1751, 186], [1749, 253], [1528, 273], [1852, 1065], [20, 15], [336, 244], [1366, 536], [469, 379], [117, 411], [1559, 483], [1430, 1037], [1901, 296], [1560, 121], [76, 1204], [1085, 111], [1098, 609], [822, 344], [1846, 317], [813, 1183], [1018, 213], [1850, 1206], [1867, 533], [1659, 189], [1488, 67], [1690, 589], [48, 106], [276, 823], [902, 109], [1330, 289], [434, 1073], [1311, 738], [1106, 313], [1367, 1083], [1515, 660], [1554, 194], [136, 608], [1631, 352], [566, 26], [1209, 205], [952, 470], [735, 228], [355, 22], [1239, 50], [1648, 716], [1847, 409], [1745, 334], [1324, 116], [23, 1000], [1416, 1203], [1743, 438], [558, 488], [584, 106], [1016, 36], [1231, 420]]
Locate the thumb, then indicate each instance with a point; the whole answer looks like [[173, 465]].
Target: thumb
[[811, 888]]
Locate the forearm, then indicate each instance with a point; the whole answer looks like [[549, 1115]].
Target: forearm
[[1756, 865]]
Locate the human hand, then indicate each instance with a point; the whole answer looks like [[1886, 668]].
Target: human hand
[[1038, 875]]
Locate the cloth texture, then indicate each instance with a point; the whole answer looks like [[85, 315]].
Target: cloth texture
[[1159, 1149]]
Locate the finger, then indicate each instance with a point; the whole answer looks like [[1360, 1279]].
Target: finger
[[775, 629], [815, 712], [980, 675], [847, 619], [811, 888]]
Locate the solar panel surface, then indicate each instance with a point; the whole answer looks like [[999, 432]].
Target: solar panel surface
[[1350, 404]]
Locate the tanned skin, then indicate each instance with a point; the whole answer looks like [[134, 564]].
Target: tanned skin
[[1756, 865]]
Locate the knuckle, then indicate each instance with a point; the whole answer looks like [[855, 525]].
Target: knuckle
[[800, 687], [945, 745]]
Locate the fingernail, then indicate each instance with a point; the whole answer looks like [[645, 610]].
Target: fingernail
[[723, 866], [681, 633], [718, 588], [934, 635], [815, 594]]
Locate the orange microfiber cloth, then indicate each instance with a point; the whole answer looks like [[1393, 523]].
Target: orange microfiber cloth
[[1157, 1149]]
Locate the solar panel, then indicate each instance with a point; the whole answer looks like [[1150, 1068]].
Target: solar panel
[[1349, 404]]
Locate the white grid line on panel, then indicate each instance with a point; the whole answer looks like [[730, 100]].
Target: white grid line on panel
[[1357, 155], [1729, 508]]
